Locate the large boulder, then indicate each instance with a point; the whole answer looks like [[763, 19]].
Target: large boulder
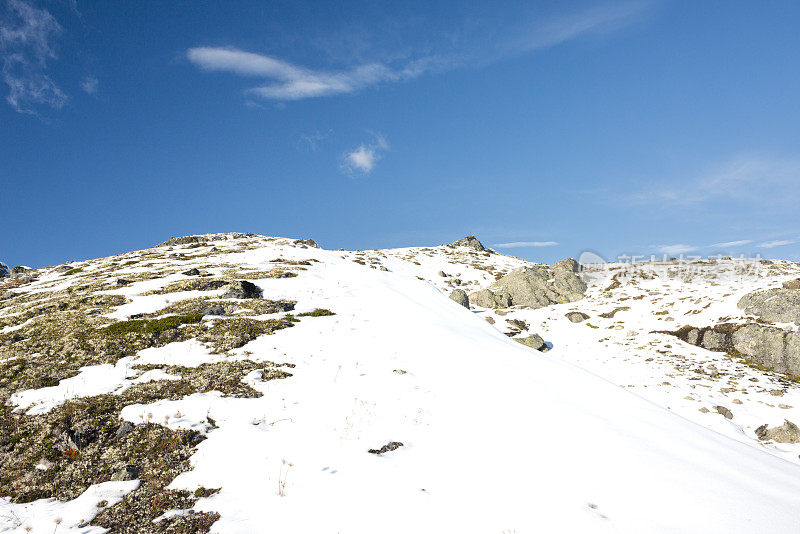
[[3, 270], [470, 242], [533, 341], [460, 296], [486, 298], [773, 305], [536, 287]]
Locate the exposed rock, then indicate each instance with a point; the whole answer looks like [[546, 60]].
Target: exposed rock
[[486, 298], [124, 429], [442, 274], [19, 269], [4, 270], [242, 289], [776, 349], [213, 310], [191, 272], [460, 296], [185, 240], [533, 287], [518, 324], [786, 433], [306, 242], [773, 305], [567, 264], [392, 445], [792, 284], [576, 317], [470, 242], [723, 411], [122, 282], [533, 341]]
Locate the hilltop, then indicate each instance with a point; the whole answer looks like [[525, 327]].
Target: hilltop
[[245, 383]]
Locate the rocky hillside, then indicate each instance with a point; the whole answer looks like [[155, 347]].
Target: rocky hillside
[[243, 383]]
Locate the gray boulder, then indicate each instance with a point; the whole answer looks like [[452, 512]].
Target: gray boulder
[[567, 264], [533, 341], [470, 242], [4, 270], [786, 433], [773, 305], [536, 287], [19, 269], [460, 296], [213, 310], [486, 298], [242, 289]]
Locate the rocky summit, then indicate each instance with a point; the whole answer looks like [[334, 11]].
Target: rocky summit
[[240, 383]]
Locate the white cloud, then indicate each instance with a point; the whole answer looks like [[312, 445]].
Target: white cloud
[[676, 249], [293, 82], [778, 243], [289, 81], [89, 84], [364, 157], [730, 244], [27, 37], [525, 244]]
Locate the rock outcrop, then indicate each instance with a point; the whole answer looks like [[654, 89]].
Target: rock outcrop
[[773, 305], [774, 348], [242, 289], [576, 317], [534, 287], [792, 284], [786, 433], [470, 242], [3, 270], [460, 296]]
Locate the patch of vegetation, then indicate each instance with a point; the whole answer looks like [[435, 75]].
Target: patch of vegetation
[[319, 312], [229, 334], [74, 271], [195, 284], [153, 327]]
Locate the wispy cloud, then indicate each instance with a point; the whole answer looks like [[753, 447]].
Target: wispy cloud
[[89, 84], [364, 157], [760, 181], [27, 43], [778, 243], [312, 141], [285, 80], [526, 244], [731, 244]]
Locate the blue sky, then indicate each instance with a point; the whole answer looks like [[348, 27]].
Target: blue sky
[[546, 128]]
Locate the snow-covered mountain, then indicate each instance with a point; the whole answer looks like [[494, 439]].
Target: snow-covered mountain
[[238, 383]]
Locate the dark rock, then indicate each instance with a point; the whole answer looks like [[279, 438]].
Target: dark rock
[[213, 310], [242, 289], [460, 296], [470, 242], [392, 445], [123, 282], [4, 270], [124, 429], [191, 272], [519, 324]]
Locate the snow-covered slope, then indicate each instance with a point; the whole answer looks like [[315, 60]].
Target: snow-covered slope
[[600, 434]]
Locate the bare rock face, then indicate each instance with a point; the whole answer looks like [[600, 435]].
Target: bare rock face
[[486, 298], [460, 296], [242, 289], [786, 433], [535, 287], [576, 317], [773, 305], [4, 270], [470, 242]]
